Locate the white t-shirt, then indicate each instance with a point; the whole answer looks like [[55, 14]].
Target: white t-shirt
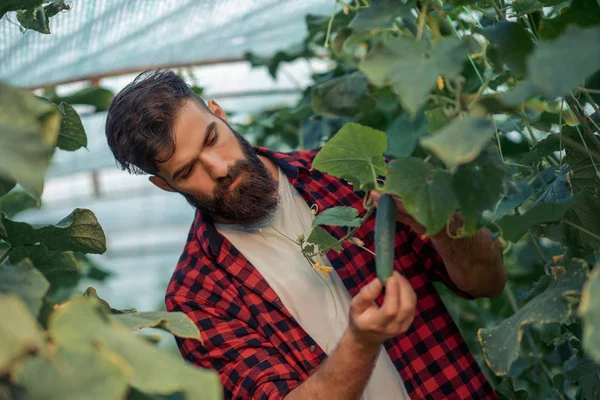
[[322, 311]]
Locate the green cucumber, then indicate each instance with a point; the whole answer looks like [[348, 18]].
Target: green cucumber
[[385, 231]]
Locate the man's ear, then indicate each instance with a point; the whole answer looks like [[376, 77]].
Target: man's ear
[[161, 183], [216, 109]]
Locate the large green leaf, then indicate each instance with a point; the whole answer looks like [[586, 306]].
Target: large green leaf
[[30, 128], [586, 373], [521, 193], [509, 102], [6, 185], [404, 133], [501, 343], [338, 216], [293, 52], [523, 7], [26, 281], [559, 190], [480, 183], [427, 193], [515, 226], [79, 326], [506, 390], [35, 19], [436, 119], [585, 13], [461, 141], [344, 96], [355, 154], [177, 323], [323, 239], [583, 175], [79, 231], [59, 267], [14, 5], [543, 148], [135, 394], [17, 201], [380, 15], [556, 66], [401, 62], [98, 97], [19, 331], [512, 44], [589, 310], [586, 214], [95, 374], [72, 134]]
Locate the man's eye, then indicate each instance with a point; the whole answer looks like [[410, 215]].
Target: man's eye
[[213, 139], [186, 174]]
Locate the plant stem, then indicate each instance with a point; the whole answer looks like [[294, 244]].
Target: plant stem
[[594, 156], [422, 16], [6, 254], [498, 10], [584, 114], [326, 45], [510, 295], [590, 100], [582, 229], [364, 248], [498, 139], [583, 121], [479, 93], [285, 236], [529, 130], [513, 303], [588, 90], [585, 147], [348, 235], [439, 2], [537, 247], [560, 138], [549, 158]]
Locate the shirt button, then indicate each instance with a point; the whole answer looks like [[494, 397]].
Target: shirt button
[[312, 348]]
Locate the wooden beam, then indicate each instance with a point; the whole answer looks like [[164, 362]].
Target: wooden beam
[[96, 78]]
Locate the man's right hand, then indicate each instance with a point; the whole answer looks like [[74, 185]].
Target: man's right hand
[[369, 324], [357, 351]]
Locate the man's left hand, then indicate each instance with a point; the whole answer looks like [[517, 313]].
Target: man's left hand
[[474, 263]]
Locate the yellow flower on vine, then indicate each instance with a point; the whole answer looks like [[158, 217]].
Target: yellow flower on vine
[[324, 269]]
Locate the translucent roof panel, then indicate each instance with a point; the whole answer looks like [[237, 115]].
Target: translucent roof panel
[[106, 36], [240, 89]]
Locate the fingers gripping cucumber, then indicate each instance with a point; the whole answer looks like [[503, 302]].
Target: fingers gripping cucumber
[[385, 231]]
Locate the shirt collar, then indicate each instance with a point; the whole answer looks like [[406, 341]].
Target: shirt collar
[[206, 233]]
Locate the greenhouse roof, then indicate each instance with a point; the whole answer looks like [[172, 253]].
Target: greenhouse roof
[[102, 37]]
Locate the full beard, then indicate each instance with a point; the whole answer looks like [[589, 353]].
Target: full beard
[[252, 200]]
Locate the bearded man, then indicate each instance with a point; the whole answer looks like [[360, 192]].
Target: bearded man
[[272, 326]]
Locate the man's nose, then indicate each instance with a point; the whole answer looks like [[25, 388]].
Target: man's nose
[[216, 166]]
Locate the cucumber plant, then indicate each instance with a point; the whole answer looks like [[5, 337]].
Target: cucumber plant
[[488, 108]]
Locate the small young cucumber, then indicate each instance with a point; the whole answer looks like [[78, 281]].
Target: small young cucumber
[[385, 231]]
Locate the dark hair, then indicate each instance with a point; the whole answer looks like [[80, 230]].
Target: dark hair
[[140, 120]]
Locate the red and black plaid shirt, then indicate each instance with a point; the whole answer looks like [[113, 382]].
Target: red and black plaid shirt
[[261, 352]]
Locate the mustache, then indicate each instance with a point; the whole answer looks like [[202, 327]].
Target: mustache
[[233, 173]]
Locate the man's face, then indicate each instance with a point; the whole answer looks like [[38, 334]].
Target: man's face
[[217, 170]]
